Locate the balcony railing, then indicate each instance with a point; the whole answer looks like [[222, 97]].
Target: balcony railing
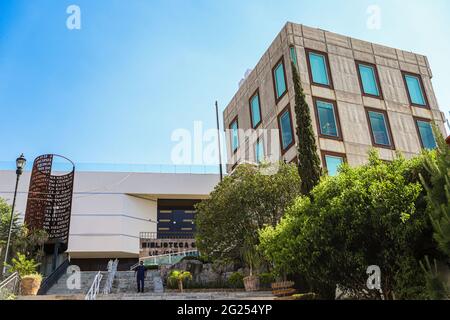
[[166, 235]]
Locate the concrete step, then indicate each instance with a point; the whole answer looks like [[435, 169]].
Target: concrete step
[[53, 297], [171, 295], [190, 295], [86, 280]]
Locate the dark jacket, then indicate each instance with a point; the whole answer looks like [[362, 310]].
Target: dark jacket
[[140, 272]]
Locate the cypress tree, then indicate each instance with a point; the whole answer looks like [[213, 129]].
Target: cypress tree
[[308, 159]]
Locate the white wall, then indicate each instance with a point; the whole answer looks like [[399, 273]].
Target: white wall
[[109, 210], [109, 224]]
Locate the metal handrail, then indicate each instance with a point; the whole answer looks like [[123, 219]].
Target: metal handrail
[[95, 287], [168, 255], [13, 279], [112, 270], [53, 277], [166, 235]]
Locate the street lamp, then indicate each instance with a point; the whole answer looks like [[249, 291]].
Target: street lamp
[[20, 165]]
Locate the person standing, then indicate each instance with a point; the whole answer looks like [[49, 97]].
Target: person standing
[[140, 276]]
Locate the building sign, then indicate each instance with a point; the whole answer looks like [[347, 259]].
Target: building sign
[[155, 247]]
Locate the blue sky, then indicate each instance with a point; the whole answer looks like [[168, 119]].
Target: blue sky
[[114, 91]]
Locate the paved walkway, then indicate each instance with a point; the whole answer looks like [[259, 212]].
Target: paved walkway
[[212, 295], [192, 296]]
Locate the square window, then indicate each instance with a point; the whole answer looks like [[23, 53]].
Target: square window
[[426, 135], [318, 68], [332, 163], [327, 117], [286, 132], [414, 88], [255, 110], [279, 79], [369, 80], [379, 128]]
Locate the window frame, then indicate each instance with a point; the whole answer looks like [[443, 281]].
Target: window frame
[[418, 76], [326, 153], [388, 128], [288, 109], [336, 116], [377, 79], [278, 99], [416, 119], [251, 109], [235, 119], [327, 64]]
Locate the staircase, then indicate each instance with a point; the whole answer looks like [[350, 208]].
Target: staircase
[[87, 277], [124, 283]]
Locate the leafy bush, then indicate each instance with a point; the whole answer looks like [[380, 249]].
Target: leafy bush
[[6, 294], [240, 205], [178, 277], [202, 259], [152, 267], [236, 280], [23, 266], [266, 279], [190, 284], [370, 215]]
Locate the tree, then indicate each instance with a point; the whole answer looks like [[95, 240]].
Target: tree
[[240, 205], [308, 158], [17, 229], [178, 277], [30, 243], [24, 266], [438, 199], [438, 193], [370, 215]]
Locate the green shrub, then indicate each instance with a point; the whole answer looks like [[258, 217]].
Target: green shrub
[[266, 279], [368, 215], [23, 266], [5, 294], [202, 259], [179, 277], [152, 267], [236, 280]]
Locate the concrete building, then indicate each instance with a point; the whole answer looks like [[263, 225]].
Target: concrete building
[[110, 210], [361, 95]]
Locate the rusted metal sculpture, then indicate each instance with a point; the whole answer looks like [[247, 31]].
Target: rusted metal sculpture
[[49, 202]]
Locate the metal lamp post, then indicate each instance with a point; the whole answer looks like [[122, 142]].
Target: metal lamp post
[[20, 165]]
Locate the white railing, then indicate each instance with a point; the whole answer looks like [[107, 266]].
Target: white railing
[[169, 258], [95, 287], [112, 270], [10, 285]]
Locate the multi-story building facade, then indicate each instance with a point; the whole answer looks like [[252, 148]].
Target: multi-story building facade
[[361, 96]]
